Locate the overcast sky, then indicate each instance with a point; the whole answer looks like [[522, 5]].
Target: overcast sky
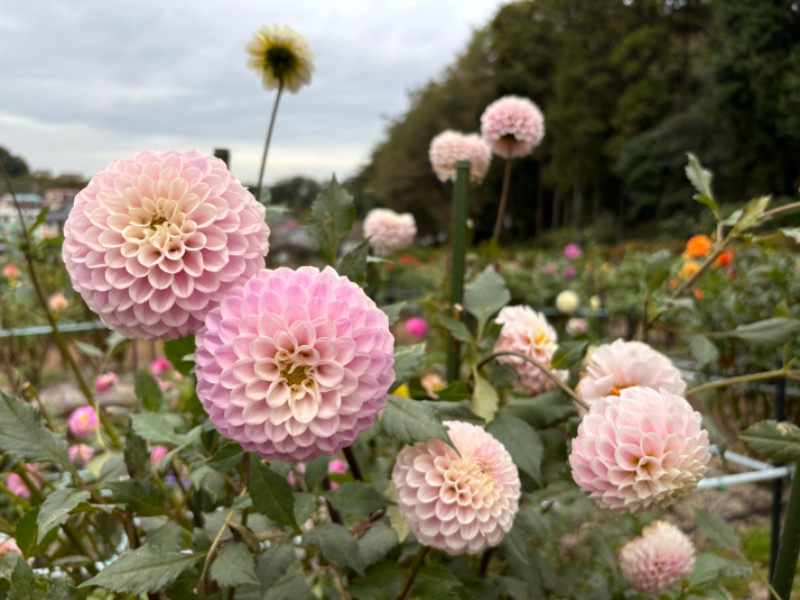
[[89, 81]]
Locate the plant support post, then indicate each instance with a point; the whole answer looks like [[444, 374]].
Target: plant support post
[[459, 257]]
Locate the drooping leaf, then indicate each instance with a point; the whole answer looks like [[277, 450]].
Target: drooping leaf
[[543, 410], [777, 441], [457, 329], [332, 216], [353, 265], [180, 353], [274, 563], [271, 493], [24, 436], [769, 332], [27, 535], [455, 411], [356, 498], [168, 537], [227, 457], [376, 543], [407, 361], [700, 179], [22, 585], [148, 391], [89, 350], [751, 213], [485, 400], [792, 232], [291, 586], [703, 350], [412, 421], [715, 529], [521, 440], [143, 499], [393, 311], [143, 570], [485, 295], [56, 508], [568, 354], [458, 390], [336, 545], [234, 566], [158, 428]]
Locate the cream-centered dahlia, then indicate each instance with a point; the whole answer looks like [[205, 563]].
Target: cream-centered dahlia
[[619, 365], [662, 557], [512, 126], [155, 241], [389, 231], [282, 57], [449, 147], [642, 449], [527, 332], [294, 364], [458, 502]]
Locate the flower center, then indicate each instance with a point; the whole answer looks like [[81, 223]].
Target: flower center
[[295, 375], [281, 60]]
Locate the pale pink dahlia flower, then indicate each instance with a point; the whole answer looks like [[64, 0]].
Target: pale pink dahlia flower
[[295, 364], [619, 365], [458, 502], [644, 448], [512, 126], [83, 421], [417, 326], [17, 486], [157, 454], [80, 454], [58, 303], [662, 557], [156, 241], [449, 147], [105, 382], [389, 231], [8, 545], [159, 366], [527, 332]]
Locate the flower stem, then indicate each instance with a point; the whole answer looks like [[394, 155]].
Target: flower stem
[[501, 211], [790, 545], [458, 259], [350, 457], [412, 574], [738, 379], [266, 144]]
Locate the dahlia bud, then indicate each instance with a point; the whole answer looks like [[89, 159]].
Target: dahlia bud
[[662, 557]]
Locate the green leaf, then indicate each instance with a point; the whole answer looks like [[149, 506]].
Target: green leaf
[[89, 350], [485, 295], [715, 529], [336, 545], [543, 410], [157, 428], [454, 411], [271, 493], [412, 421], [291, 586], [458, 390], [27, 535], [700, 179], [457, 329], [485, 400], [770, 332], [23, 583], [332, 216], [376, 543], [227, 457], [24, 437], [353, 265], [144, 499], [56, 508], [147, 391], [407, 361], [274, 563], [357, 498], [168, 537], [393, 311], [316, 471], [304, 506], [792, 232], [703, 350], [137, 457], [180, 354], [143, 570], [234, 566], [522, 442], [776, 441], [752, 213], [568, 354], [709, 567]]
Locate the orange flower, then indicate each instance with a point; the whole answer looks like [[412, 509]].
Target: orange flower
[[698, 246], [673, 283], [724, 259], [698, 294], [689, 268]]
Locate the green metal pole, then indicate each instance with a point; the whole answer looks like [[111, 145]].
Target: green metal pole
[[459, 258], [789, 550]]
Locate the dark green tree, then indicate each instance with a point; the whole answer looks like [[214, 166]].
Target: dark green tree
[[14, 165]]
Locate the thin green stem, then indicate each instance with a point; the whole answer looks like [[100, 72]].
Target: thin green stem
[[458, 259], [778, 210], [266, 144], [213, 548], [789, 548], [416, 565], [501, 211], [736, 380], [352, 463]]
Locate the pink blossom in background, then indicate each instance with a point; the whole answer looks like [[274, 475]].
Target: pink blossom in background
[[458, 502], [549, 270], [157, 454], [165, 386], [58, 303], [105, 382], [80, 454], [449, 147], [527, 332], [83, 421], [8, 545], [613, 367], [572, 251], [11, 272], [661, 558], [17, 486], [295, 364], [160, 366], [417, 326], [512, 126], [389, 231], [157, 240], [577, 326], [570, 272], [336, 467], [641, 450]]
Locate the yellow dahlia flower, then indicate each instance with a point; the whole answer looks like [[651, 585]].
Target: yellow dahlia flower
[[281, 56]]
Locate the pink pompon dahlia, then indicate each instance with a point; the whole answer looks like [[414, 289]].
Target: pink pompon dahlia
[[8, 545], [83, 421], [17, 486], [157, 240], [619, 365], [157, 454], [662, 557], [417, 326], [295, 364], [159, 366], [449, 147], [105, 382], [572, 251], [458, 502], [644, 448], [80, 454], [389, 231], [512, 126], [527, 332]]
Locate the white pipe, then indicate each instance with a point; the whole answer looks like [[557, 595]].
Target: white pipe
[[715, 483]]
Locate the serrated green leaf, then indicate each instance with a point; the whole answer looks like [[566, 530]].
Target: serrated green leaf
[[227, 457], [24, 437], [701, 179], [336, 545], [543, 410], [709, 567], [522, 441], [143, 570], [356, 498], [751, 213], [137, 457], [291, 586], [703, 350], [777, 441], [271, 493], [393, 311], [485, 400], [407, 361], [458, 390], [23, 583], [412, 421], [457, 329], [157, 428], [454, 411], [769, 332], [27, 535], [376, 543], [568, 354], [353, 265], [485, 295], [316, 471], [273, 564], [177, 352], [142, 498], [56, 508], [304, 506], [168, 537], [332, 216], [715, 529], [148, 391], [234, 566]]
